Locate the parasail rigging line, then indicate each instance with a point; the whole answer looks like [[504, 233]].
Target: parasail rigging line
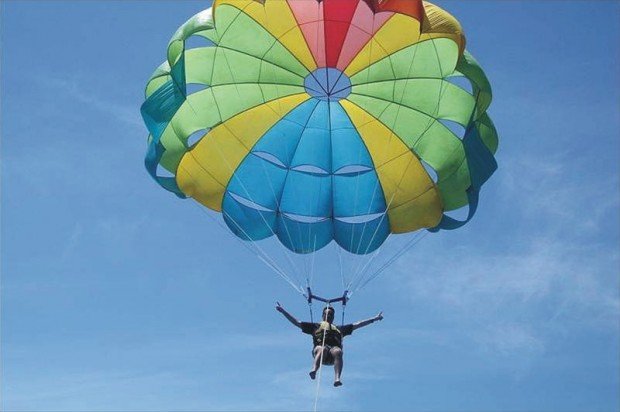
[[309, 282], [359, 275], [243, 186], [266, 258], [406, 248], [293, 264], [258, 251], [340, 264], [295, 267], [390, 259], [357, 272]]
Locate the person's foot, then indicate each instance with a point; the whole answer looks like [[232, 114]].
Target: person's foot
[[337, 383], [312, 374]]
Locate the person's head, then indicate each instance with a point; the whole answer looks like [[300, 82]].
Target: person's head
[[328, 314]]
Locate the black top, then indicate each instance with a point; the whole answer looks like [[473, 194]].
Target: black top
[[333, 336]]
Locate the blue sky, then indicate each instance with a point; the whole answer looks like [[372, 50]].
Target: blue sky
[[118, 296]]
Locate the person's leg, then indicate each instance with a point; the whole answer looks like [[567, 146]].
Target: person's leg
[[336, 354], [316, 364]]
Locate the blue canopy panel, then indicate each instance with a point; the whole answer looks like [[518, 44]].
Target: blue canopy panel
[[314, 149], [259, 180], [361, 224], [362, 234], [303, 234], [247, 220], [307, 194], [282, 139], [309, 179]]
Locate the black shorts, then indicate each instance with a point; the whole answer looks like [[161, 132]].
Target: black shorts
[[328, 359]]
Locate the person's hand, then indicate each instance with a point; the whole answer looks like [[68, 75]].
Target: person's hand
[[279, 307], [379, 316]]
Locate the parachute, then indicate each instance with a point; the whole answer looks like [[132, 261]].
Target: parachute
[[322, 122]]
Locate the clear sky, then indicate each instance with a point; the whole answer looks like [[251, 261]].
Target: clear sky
[[116, 295]]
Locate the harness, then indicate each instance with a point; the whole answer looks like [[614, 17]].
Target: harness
[[333, 336]]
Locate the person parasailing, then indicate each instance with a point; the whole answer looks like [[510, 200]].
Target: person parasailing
[[327, 338]]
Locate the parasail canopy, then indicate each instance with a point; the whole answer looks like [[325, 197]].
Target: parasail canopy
[[319, 121]]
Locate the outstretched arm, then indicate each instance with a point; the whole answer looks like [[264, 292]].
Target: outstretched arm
[[367, 322], [287, 315]]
